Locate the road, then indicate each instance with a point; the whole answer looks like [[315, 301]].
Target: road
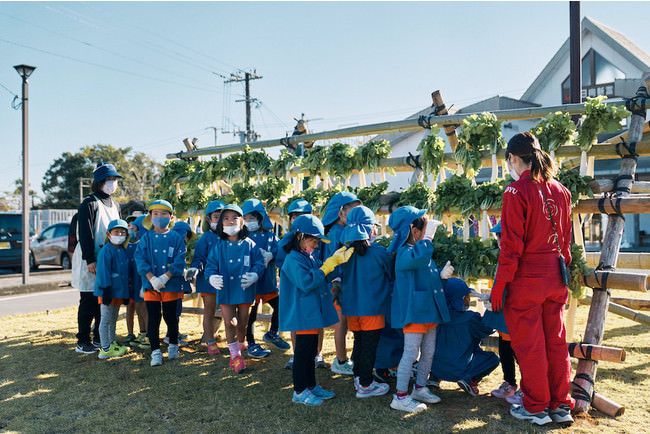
[[38, 302]]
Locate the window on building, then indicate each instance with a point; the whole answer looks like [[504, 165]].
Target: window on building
[[598, 75]]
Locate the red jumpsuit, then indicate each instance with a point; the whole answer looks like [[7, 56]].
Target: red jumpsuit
[[536, 295]]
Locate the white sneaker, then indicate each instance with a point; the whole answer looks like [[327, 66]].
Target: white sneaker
[[407, 404], [424, 395], [374, 389], [172, 352], [319, 362], [342, 368], [156, 358]]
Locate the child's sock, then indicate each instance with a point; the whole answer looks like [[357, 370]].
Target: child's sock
[[234, 350], [273, 331], [418, 387], [401, 395], [341, 362]]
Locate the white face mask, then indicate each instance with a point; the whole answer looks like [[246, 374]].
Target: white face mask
[[110, 187], [231, 230], [252, 226], [213, 226], [512, 171], [117, 239]]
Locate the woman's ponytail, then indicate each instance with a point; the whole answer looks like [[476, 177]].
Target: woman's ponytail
[[542, 166], [526, 146]]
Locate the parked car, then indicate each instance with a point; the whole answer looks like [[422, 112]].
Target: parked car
[[11, 240], [50, 247]]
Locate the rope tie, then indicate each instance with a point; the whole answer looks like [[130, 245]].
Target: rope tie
[[637, 104], [580, 392], [425, 121], [631, 149], [414, 161]]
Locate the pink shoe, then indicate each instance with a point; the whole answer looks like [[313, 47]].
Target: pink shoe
[[505, 390], [242, 346], [238, 363], [517, 398], [213, 349]]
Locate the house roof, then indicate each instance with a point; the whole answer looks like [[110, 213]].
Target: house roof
[[626, 48]]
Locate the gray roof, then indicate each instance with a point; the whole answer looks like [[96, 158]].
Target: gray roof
[[617, 40]]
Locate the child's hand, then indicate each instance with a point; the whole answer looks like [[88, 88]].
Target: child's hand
[[268, 257], [216, 281], [447, 271], [156, 283], [190, 273], [430, 230], [339, 257], [248, 279]]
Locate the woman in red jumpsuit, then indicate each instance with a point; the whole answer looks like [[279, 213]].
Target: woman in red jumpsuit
[[534, 301]]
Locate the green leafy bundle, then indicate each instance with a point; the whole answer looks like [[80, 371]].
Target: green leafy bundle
[[315, 160], [384, 241], [370, 154], [417, 195], [172, 170], [555, 130], [255, 163], [284, 163], [341, 159], [271, 191], [577, 269], [371, 196], [598, 117], [479, 259], [241, 192], [446, 247], [315, 197], [232, 167], [480, 132], [194, 198], [490, 194], [432, 153], [456, 193], [576, 184]]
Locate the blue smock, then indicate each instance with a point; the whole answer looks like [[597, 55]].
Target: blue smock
[[112, 272], [231, 259], [135, 281], [458, 354], [495, 321], [158, 253], [200, 259], [305, 299], [266, 240], [366, 282], [282, 254], [418, 297]]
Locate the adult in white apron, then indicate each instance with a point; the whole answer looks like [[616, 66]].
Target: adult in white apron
[[94, 214]]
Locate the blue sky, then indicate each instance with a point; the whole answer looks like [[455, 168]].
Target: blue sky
[[142, 74]]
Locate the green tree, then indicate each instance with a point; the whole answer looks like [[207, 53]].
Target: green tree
[[64, 176]]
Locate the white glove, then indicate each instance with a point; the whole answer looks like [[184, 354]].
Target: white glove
[[248, 279], [268, 257], [446, 271], [190, 273], [430, 230], [156, 283], [216, 281]]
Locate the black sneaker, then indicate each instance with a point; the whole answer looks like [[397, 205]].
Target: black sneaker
[[381, 375], [561, 415], [85, 348], [97, 344]]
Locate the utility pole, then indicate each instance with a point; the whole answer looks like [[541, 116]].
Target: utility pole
[[574, 52], [248, 76]]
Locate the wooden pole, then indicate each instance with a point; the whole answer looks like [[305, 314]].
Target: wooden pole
[[628, 205], [638, 260], [611, 244], [441, 110], [632, 303], [607, 185], [605, 405], [596, 352], [619, 310], [617, 280]]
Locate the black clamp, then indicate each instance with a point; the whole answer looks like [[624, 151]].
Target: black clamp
[[631, 149], [586, 354], [579, 392], [414, 161], [637, 104], [425, 121]]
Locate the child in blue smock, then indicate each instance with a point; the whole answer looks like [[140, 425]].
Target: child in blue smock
[[160, 258], [185, 231], [234, 265], [208, 292], [306, 302], [136, 292], [459, 356], [366, 282], [418, 303], [260, 230], [334, 220], [112, 286]]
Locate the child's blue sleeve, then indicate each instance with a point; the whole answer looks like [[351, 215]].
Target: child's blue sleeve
[[305, 278], [274, 246], [178, 263], [212, 264], [142, 259], [387, 261], [414, 257], [200, 253], [103, 277], [477, 329], [257, 260]]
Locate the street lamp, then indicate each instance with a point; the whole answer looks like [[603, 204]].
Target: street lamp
[[25, 71]]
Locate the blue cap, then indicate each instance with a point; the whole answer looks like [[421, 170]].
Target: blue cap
[[183, 229], [335, 204], [360, 221], [455, 290], [497, 228], [215, 205], [300, 205], [233, 207], [117, 223], [400, 222], [138, 223], [103, 171], [256, 205], [310, 225], [161, 204]]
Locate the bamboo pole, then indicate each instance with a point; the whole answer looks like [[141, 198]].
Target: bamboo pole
[[611, 245], [632, 303], [441, 110], [628, 205], [604, 404], [607, 185], [390, 127], [636, 260], [596, 352], [618, 280], [619, 310]]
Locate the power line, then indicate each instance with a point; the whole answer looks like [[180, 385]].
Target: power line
[[110, 68]]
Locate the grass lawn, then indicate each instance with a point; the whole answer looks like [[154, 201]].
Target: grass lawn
[[46, 387]]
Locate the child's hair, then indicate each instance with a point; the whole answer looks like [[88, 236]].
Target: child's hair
[[418, 223], [97, 186], [344, 208], [243, 232], [361, 247], [258, 216], [294, 243], [526, 146]]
